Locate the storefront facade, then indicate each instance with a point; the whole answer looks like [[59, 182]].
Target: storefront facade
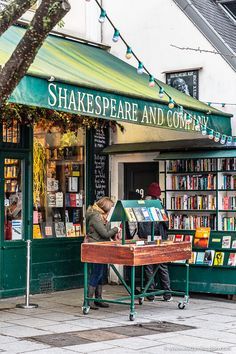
[[48, 177]]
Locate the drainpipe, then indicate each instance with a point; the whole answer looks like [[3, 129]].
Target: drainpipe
[[101, 2]]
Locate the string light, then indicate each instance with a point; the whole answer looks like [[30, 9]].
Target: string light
[[171, 103], [140, 68], [116, 36], [128, 54], [102, 16], [152, 81]]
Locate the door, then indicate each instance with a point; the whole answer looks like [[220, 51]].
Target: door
[[138, 176], [15, 220]]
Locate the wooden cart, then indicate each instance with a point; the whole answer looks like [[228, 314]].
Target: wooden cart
[[129, 254]]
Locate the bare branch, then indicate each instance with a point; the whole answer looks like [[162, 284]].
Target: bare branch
[[12, 12]]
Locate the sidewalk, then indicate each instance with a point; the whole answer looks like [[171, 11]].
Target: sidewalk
[[58, 326]]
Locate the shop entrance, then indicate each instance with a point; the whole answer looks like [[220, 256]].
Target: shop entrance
[[15, 223], [138, 176]]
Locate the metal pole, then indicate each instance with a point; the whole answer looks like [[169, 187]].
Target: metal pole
[[27, 304]]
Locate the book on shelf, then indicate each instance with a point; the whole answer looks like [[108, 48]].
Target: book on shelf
[[37, 231], [188, 238], [47, 229], [201, 237], [228, 223], [73, 200], [70, 229], [154, 214], [232, 260], [16, 229], [171, 238], [191, 222], [130, 215], [59, 199], [138, 214], [226, 242], [77, 229], [233, 244], [52, 184], [209, 257], [146, 214], [192, 260], [60, 229], [219, 259], [164, 215], [200, 258], [35, 217], [76, 216], [79, 200], [51, 198], [73, 184]]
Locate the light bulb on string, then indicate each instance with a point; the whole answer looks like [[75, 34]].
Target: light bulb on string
[[223, 139], [204, 129], [229, 140], [180, 111], [188, 119], [161, 92], [217, 137], [151, 81], [102, 16], [211, 134], [140, 68], [128, 54], [171, 103], [116, 36]]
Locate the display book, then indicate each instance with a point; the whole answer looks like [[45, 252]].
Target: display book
[[64, 203], [209, 250]]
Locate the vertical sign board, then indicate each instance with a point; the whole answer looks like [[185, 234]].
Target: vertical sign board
[[99, 164]]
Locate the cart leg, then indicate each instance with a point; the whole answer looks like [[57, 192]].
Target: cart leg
[[182, 304], [132, 308], [85, 307]]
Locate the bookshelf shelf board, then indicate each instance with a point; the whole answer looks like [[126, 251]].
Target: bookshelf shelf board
[[193, 173], [227, 171], [205, 266], [194, 210], [10, 177], [186, 231], [191, 190], [227, 211], [226, 190], [217, 249]]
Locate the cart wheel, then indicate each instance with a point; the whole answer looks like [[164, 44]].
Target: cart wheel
[[140, 300], [85, 310], [131, 317], [181, 305]]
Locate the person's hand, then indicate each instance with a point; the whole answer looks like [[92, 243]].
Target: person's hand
[[118, 236]]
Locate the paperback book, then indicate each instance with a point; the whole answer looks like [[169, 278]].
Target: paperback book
[[209, 257], [70, 229], [130, 215], [154, 214], [219, 259], [233, 244], [36, 231], [192, 260], [60, 229], [200, 257], [201, 238], [138, 214], [179, 238], [226, 241], [146, 214], [232, 260]]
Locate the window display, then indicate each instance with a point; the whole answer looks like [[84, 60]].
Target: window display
[[58, 184]]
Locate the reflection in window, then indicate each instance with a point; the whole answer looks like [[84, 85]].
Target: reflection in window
[[11, 132], [13, 227], [58, 184]]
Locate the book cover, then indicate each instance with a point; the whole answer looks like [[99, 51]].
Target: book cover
[[70, 229], [146, 214], [209, 257], [77, 230], [188, 238], [192, 260], [232, 260], [219, 259], [138, 214], [36, 231], [67, 200], [171, 238], [154, 214], [130, 215], [200, 257], [35, 217], [164, 216], [59, 229], [59, 200], [48, 230], [73, 200], [179, 238], [79, 200], [72, 184], [76, 216], [233, 244], [201, 238], [51, 197], [226, 241], [159, 214], [16, 229]]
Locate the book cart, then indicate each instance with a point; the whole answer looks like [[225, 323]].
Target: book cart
[[199, 188], [130, 253]]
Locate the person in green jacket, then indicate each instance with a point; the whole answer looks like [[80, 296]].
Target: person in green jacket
[[99, 229]]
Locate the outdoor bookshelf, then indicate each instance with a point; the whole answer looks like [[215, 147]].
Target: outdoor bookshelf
[[199, 190]]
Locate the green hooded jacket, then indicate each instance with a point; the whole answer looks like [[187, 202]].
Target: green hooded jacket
[[97, 230]]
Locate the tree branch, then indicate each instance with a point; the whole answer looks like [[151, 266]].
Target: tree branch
[[49, 13], [12, 12]]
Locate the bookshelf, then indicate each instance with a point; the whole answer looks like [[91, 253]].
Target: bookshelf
[[201, 192]]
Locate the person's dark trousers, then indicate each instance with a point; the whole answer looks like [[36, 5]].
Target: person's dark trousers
[[96, 275], [148, 273], [163, 274]]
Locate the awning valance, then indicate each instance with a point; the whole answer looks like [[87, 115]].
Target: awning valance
[[79, 78]]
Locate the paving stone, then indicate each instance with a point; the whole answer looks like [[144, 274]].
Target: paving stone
[[133, 343], [100, 335], [60, 339], [21, 347], [90, 348]]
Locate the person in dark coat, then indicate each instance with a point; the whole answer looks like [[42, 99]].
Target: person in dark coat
[[99, 229], [160, 228]]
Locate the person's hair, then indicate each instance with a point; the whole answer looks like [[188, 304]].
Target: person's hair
[[132, 195], [105, 203]]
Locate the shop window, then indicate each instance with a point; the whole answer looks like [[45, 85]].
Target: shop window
[[13, 225], [11, 132], [59, 196]]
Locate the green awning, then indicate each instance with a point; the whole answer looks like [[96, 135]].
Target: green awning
[[89, 80]]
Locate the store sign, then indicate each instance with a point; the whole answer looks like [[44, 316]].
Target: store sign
[[94, 103]]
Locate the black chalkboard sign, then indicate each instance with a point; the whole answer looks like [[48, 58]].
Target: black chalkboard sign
[[98, 164]]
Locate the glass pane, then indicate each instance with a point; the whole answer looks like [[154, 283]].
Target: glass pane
[[11, 132], [58, 184], [13, 225]]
